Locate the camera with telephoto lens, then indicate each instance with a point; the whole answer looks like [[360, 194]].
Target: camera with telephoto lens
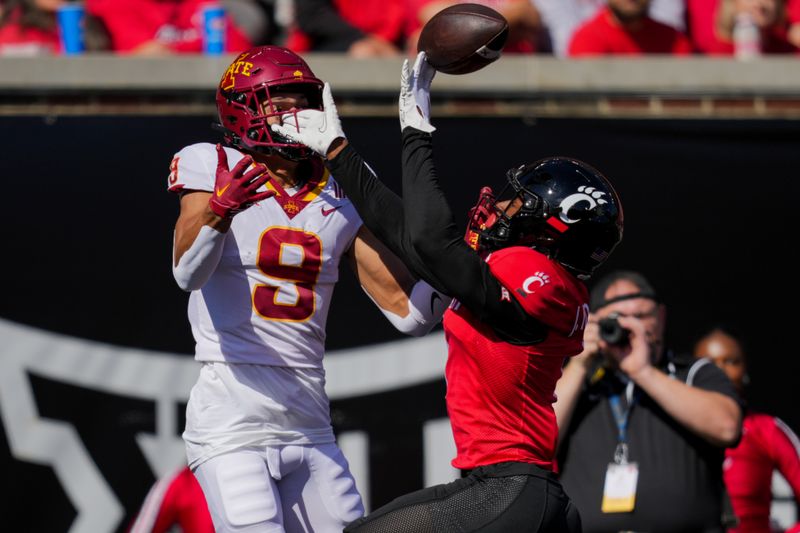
[[612, 332]]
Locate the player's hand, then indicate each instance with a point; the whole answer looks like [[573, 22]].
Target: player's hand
[[235, 190], [415, 95], [316, 129]]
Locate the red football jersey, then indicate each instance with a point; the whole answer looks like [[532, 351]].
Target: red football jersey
[[176, 24], [500, 396], [603, 35], [767, 444]]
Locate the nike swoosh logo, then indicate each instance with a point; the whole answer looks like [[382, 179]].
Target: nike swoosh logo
[[326, 212], [221, 191], [434, 297]]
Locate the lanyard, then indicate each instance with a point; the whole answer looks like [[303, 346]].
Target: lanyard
[[621, 417]]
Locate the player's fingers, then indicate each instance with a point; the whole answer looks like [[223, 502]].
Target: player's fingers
[[254, 172], [286, 131], [284, 128], [241, 166], [222, 159], [257, 182], [327, 98], [423, 71], [302, 118], [418, 63], [257, 197], [404, 74]]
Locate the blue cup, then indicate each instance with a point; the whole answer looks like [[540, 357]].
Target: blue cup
[[213, 29], [70, 27]]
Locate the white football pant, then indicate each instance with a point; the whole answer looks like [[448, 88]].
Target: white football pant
[[289, 488]]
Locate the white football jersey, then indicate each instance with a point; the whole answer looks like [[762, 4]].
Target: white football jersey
[[267, 301]]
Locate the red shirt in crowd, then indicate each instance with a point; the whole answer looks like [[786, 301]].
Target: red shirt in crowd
[[176, 499], [602, 35], [767, 444], [701, 17], [384, 19], [701, 23], [413, 23], [16, 39], [499, 395], [177, 24], [793, 11]]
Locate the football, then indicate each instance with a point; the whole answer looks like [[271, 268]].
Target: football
[[463, 38]]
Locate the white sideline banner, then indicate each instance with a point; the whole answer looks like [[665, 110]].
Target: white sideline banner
[[166, 379]]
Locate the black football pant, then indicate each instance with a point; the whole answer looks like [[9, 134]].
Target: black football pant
[[500, 498]]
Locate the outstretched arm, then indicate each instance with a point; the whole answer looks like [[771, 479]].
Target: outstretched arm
[[430, 226], [459, 272], [413, 308], [379, 207]]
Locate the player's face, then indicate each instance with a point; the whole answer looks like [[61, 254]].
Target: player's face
[[283, 102], [726, 353], [509, 207]]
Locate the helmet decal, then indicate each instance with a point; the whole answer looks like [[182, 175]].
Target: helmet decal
[[239, 66], [584, 194]]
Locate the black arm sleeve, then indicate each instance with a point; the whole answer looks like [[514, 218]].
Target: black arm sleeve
[[322, 23], [439, 244], [380, 209]]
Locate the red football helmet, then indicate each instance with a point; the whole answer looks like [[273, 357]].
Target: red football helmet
[[244, 98]]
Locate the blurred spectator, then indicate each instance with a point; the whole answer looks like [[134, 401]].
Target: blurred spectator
[[624, 27], [793, 14], [768, 18], [361, 28], [525, 26], [29, 27], [153, 27], [701, 28], [253, 17], [767, 444], [643, 429], [562, 17], [174, 500]]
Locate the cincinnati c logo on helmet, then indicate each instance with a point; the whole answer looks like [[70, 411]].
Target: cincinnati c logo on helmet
[[239, 66], [584, 194]]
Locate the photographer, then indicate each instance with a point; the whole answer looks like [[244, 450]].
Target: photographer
[[643, 431]]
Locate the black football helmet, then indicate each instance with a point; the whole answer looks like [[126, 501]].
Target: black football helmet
[[559, 206]]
